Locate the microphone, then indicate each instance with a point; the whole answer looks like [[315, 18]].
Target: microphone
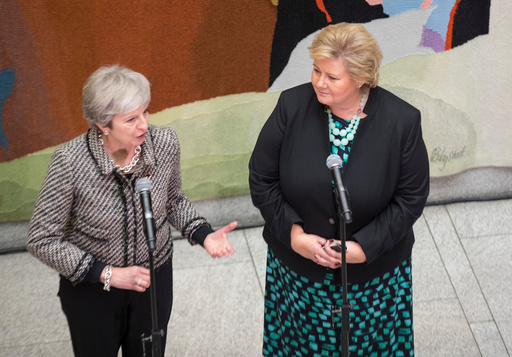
[[334, 163], [143, 187]]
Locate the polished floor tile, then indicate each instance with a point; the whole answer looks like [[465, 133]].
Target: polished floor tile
[[461, 279]]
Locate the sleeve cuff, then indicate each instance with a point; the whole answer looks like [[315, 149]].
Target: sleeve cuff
[[200, 234], [93, 275]]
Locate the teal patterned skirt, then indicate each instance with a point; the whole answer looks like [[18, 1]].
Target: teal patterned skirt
[[299, 322]]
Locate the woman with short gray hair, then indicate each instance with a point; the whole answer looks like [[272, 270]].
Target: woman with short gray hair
[[87, 222]]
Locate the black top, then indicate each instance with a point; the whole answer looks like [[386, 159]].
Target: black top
[[386, 176]]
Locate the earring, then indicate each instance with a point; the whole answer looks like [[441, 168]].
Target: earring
[[360, 85], [105, 132]]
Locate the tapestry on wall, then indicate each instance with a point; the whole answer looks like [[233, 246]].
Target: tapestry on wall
[[217, 69]]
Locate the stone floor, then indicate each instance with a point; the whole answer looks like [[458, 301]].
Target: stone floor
[[462, 274]]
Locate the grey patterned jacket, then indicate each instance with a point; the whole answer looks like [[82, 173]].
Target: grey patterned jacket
[[87, 211]]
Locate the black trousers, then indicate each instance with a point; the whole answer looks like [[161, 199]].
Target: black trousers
[[100, 322]]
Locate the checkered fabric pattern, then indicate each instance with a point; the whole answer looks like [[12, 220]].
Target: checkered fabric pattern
[[87, 209]]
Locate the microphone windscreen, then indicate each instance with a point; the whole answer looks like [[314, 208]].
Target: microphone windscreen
[[143, 184], [333, 160]]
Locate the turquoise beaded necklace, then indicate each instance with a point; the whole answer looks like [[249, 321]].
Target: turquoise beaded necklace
[[347, 134]]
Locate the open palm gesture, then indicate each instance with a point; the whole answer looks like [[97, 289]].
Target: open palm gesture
[[217, 243]]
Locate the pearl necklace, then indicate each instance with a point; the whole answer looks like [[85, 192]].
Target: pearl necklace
[[347, 134], [131, 165]]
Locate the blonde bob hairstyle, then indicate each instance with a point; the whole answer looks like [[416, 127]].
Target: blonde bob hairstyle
[[113, 90], [355, 46]]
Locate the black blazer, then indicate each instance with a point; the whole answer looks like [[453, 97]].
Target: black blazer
[[386, 176]]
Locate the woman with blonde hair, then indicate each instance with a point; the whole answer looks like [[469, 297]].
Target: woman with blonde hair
[[385, 170]]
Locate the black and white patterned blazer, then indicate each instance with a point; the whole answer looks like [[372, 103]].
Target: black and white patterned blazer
[[88, 211]]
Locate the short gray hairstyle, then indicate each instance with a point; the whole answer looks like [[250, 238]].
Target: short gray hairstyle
[[113, 90]]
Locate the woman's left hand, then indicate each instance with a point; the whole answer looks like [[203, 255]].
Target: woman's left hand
[[332, 259], [217, 243]]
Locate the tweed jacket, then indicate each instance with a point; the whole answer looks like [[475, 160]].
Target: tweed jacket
[[386, 176], [88, 211]]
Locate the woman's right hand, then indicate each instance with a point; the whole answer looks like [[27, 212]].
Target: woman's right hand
[[307, 245], [131, 278]]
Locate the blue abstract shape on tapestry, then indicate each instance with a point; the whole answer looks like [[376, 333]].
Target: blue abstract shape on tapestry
[[6, 84]]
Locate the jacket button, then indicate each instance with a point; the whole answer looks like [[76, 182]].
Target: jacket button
[[332, 220]]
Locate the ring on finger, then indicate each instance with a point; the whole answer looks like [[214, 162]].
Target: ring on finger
[[138, 283]]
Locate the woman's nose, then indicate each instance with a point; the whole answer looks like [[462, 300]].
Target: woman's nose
[[320, 81], [143, 122]]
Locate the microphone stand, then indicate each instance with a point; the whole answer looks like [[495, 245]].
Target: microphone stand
[[345, 217], [156, 335]]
